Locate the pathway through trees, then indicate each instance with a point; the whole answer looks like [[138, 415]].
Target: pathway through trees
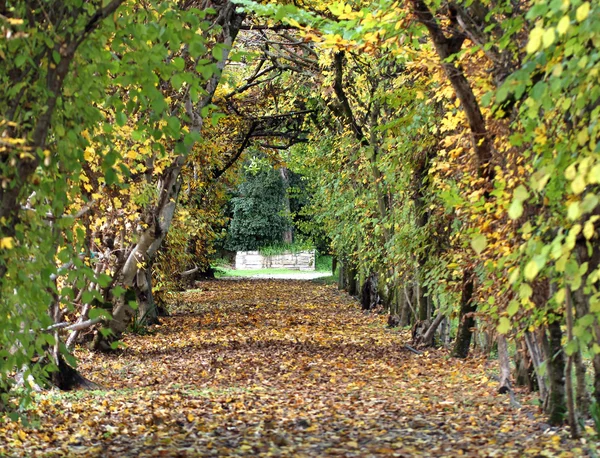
[[281, 368]]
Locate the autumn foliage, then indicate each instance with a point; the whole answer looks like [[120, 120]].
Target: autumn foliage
[[271, 368], [449, 160]]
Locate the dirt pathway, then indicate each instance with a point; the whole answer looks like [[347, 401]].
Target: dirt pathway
[[281, 368]]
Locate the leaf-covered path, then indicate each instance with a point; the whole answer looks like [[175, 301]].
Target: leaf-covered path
[[280, 368]]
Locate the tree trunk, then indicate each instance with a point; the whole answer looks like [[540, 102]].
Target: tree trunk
[[288, 235], [466, 318], [352, 286], [425, 338], [403, 307], [582, 396], [67, 378], [573, 423], [556, 408], [421, 298], [143, 254], [524, 371], [504, 385], [596, 363], [368, 294], [147, 313], [445, 332], [536, 352], [342, 275]]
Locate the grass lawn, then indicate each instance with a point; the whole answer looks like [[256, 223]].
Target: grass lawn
[[226, 272], [323, 264]]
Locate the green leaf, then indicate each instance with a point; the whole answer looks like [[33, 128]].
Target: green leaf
[[88, 296], [525, 291], [179, 63], [595, 304], [118, 291], [515, 210], [215, 118], [571, 347], [512, 308], [503, 325], [177, 80], [549, 37], [521, 193], [121, 118], [99, 313], [20, 60], [117, 344], [478, 243], [104, 280], [197, 48], [590, 201], [174, 125], [531, 270], [217, 53]]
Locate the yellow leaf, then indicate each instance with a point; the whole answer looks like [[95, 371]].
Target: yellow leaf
[[88, 153], [563, 25], [548, 37], [582, 136], [6, 243], [582, 12], [535, 40], [570, 172], [531, 270], [588, 230], [578, 184]]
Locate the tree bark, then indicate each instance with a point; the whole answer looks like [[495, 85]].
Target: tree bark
[[147, 313], [404, 308], [556, 408], [466, 318], [352, 285], [427, 338], [368, 295], [524, 370], [573, 423], [504, 385], [342, 274], [536, 352], [287, 236]]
